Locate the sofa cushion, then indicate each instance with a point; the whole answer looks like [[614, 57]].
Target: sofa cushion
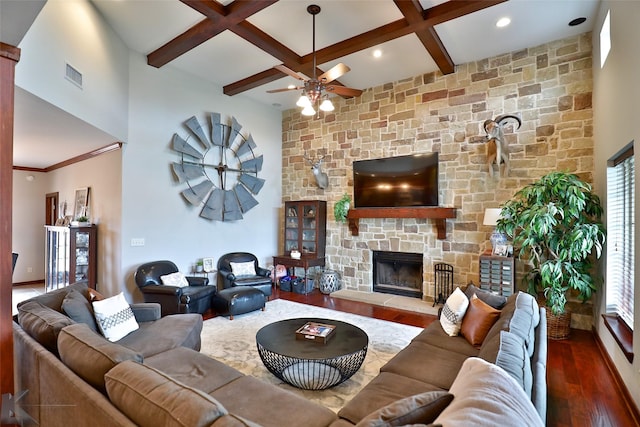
[[417, 409], [90, 355], [509, 351], [479, 318], [42, 323], [193, 369], [78, 308], [254, 399], [485, 395], [383, 390], [426, 363], [436, 336], [494, 300], [175, 330], [453, 312], [114, 317], [53, 299], [151, 398]]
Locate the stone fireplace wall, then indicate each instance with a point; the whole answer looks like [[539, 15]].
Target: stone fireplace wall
[[548, 86]]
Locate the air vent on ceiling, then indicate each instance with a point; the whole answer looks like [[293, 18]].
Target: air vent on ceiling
[[73, 75]]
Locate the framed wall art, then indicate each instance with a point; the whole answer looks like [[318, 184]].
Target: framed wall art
[[81, 202]]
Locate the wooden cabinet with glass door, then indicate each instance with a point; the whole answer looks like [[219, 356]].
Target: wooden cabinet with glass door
[[305, 227]]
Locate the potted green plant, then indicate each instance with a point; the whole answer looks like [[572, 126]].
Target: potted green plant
[[555, 226], [341, 208], [81, 221]]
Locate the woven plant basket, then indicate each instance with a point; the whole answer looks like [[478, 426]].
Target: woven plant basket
[[558, 326]]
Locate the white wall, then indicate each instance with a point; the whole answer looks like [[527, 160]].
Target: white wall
[[103, 175], [616, 123], [28, 216], [73, 31], [161, 100]]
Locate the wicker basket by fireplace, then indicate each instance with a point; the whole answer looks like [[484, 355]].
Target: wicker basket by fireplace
[[558, 325]]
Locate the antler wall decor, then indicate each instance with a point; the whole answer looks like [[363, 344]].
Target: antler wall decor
[[497, 146]]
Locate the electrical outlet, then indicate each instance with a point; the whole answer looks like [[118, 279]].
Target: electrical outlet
[[139, 241], [29, 269]]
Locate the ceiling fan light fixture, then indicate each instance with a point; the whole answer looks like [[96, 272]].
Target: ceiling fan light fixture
[[308, 111], [303, 101], [327, 105]]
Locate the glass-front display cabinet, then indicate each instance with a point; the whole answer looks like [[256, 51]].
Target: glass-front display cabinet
[[305, 227], [70, 256]]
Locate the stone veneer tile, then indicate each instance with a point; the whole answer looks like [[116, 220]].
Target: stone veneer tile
[[548, 86]]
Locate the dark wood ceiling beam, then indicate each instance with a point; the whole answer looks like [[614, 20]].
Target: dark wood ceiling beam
[[268, 44], [210, 9], [360, 42], [413, 13], [235, 13], [251, 82], [454, 9]]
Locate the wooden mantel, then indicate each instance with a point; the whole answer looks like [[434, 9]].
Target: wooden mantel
[[439, 214]]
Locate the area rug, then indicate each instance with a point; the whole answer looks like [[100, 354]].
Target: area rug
[[233, 342]]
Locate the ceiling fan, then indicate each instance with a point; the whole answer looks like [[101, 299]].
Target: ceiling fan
[[312, 91]]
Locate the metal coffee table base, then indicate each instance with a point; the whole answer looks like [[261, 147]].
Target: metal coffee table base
[[312, 374]]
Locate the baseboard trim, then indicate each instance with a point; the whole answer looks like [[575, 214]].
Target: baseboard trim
[[628, 400], [31, 282]]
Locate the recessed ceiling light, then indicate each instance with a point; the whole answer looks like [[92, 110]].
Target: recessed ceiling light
[[291, 87], [377, 53], [503, 22], [577, 21]]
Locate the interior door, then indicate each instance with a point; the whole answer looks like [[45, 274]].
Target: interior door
[[51, 209]]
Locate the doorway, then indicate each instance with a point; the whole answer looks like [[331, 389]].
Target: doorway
[[51, 209]]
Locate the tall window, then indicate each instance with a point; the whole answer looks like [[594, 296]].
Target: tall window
[[620, 234]]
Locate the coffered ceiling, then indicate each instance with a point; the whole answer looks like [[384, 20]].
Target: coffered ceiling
[[238, 44]]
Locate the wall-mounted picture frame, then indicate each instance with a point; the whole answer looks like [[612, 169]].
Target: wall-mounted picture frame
[[207, 265], [81, 202]]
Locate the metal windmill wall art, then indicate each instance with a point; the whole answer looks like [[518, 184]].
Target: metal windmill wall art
[[220, 167]]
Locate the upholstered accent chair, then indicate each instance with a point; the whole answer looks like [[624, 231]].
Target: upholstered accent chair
[[242, 269], [195, 297]]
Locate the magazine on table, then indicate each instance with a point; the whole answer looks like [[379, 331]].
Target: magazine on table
[[313, 330]]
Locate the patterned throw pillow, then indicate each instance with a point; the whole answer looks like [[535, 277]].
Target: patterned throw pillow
[[453, 312], [243, 268], [175, 279], [114, 317]]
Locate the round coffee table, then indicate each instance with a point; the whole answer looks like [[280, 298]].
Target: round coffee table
[[311, 365]]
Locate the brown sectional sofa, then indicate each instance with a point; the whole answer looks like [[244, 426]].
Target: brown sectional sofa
[[156, 376]]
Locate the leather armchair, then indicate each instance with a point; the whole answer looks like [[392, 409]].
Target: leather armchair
[[261, 280], [195, 298]]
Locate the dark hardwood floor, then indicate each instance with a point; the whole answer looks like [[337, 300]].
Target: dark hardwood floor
[[581, 390]]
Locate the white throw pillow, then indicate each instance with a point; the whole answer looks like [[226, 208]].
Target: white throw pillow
[[243, 268], [175, 279], [453, 312], [114, 317]]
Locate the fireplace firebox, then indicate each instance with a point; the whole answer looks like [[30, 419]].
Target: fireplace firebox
[[398, 273]]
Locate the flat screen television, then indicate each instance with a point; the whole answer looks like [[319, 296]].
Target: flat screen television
[[401, 181]]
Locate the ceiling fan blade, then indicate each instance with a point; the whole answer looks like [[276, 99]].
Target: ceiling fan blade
[[334, 73], [285, 89], [289, 71], [344, 91]]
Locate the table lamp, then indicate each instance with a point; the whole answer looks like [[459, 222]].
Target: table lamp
[[491, 216]]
